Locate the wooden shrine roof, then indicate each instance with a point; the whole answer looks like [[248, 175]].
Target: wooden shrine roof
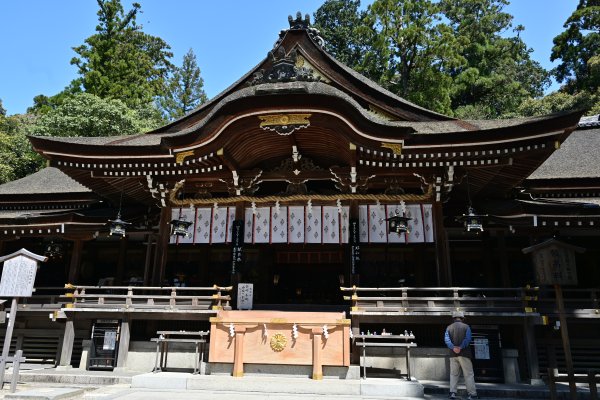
[[577, 157], [45, 181], [342, 121]]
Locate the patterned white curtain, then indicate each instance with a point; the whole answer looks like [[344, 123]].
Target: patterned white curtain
[[209, 225], [373, 227], [279, 225], [298, 224]]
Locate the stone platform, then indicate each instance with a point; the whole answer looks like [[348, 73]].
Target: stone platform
[[255, 384]]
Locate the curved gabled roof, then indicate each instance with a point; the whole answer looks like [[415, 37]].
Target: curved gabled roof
[[339, 74]]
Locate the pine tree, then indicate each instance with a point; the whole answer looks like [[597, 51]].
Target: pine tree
[[184, 89]]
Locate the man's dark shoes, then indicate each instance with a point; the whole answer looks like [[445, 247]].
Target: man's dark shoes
[[452, 395], [472, 397]]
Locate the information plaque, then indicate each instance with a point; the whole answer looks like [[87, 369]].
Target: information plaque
[[18, 276]]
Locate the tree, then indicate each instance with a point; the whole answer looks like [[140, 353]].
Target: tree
[[497, 73], [85, 114], [416, 48], [578, 48], [348, 38], [556, 102], [120, 61], [17, 158], [184, 89], [42, 103]]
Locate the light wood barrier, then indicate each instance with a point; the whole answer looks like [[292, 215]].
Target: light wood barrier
[[148, 298], [521, 301]]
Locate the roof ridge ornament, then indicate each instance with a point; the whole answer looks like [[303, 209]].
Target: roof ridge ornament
[[283, 69], [300, 24]]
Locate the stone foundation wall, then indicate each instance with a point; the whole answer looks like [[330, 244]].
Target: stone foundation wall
[[426, 363]]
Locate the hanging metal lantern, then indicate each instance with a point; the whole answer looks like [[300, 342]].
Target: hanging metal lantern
[[118, 226], [398, 223], [473, 222], [180, 227]]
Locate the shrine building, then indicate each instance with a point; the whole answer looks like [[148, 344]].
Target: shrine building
[[305, 187]]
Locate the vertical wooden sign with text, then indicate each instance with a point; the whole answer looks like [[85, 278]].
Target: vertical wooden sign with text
[[237, 242], [354, 246]]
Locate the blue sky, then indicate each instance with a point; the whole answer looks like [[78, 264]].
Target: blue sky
[[228, 36]]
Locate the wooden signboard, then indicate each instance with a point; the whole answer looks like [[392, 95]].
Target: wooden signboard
[[354, 246], [554, 262], [237, 244], [18, 276]]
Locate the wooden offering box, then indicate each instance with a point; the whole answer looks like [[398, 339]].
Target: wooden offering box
[[275, 337]]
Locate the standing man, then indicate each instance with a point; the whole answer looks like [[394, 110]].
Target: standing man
[[458, 338]]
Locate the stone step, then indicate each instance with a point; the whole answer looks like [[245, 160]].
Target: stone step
[[256, 384], [56, 393]]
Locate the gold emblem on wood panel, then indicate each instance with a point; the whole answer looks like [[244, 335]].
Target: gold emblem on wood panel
[[284, 124], [396, 148], [278, 342]]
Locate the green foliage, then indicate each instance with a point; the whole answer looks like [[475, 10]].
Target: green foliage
[[348, 38], [560, 101], [497, 73], [578, 48], [184, 89], [42, 103], [451, 56], [120, 61], [415, 49], [85, 114], [17, 158]]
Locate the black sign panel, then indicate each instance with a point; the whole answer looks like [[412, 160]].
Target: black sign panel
[[354, 245], [237, 242]]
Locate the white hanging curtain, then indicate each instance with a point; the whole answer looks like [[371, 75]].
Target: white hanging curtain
[[296, 224], [209, 225], [373, 227], [279, 225]]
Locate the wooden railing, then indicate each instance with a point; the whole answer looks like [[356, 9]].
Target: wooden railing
[[477, 301], [148, 297], [591, 378], [128, 298], [581, 303]]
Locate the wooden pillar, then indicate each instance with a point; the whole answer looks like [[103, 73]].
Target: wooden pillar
[[238, 353], [317, 359], [531, 354], [67, 344], [162, 246], [148, 260], [564, 334], [75, 263], [442, 247], [123, 343], [123, 242]]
